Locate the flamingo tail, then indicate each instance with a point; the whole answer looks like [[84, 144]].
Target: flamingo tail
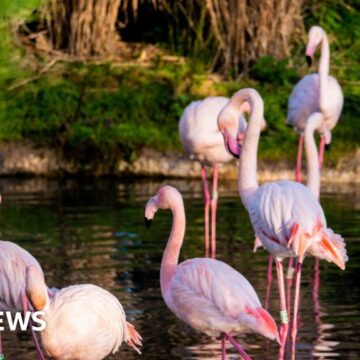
[[134, 338], [333, 248]]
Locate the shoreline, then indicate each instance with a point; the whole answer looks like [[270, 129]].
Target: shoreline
[[25, 159]]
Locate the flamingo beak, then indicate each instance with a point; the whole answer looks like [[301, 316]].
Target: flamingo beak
[[147, 222], [308, 60], [232, 146]]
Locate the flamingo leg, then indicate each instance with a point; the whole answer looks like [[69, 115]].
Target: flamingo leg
[[298, 160], [37, 345], [206, 208], [269, 281], [296, 306], [321, 152], [214, 201], [283, 311], [237, 346], [2, 356], [289, 282], [223, 348]]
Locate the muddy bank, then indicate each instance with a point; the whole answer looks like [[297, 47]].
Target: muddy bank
[[27, 159]]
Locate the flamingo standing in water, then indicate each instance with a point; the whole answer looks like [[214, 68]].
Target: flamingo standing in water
[[13, 263], [286, 216], [207, 294], [203, 142], [83, 322], [315, 93]]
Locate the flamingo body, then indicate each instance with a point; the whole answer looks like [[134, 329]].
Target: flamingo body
[[13, 263], [213, 298], [83, 322], [199, 133], [277, 207], [203, 142], [304, 101], [206, 293]]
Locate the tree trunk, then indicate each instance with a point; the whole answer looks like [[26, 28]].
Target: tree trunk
[[83, 28], [246, 30]]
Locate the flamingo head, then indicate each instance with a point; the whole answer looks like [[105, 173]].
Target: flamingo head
[[164, 199], [232, 125], [316, 34], [233, 131], [36, 291]]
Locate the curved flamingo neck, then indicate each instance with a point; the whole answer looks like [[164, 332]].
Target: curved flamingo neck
[[324, 71], [315, 122], [171, 254], [247, 179]]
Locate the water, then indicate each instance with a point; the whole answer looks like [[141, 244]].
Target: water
[[93, 232]]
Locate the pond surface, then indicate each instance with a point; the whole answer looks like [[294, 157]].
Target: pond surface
[[93, 232]]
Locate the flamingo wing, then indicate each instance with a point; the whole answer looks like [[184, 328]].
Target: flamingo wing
[[289, 221], [84, 319], [277, 207], [303, 101], [211, 296], [13, 263]]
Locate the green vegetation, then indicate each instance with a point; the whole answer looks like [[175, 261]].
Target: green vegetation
[[105, 110]]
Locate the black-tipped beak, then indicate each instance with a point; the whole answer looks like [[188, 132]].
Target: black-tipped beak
[[308, 60], [148, 222], [235, 155], [327, 147]]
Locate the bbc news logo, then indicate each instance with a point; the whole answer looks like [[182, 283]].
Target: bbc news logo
[[17, 321]]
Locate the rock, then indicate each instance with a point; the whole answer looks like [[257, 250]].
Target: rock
[[28, 159]]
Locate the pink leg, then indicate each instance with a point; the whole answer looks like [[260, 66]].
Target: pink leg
[[269, 281], [321, 151], [315, 293], [238, 347], [206, 209], [298, 160], [296, 306], [223, 348], [37, 345], [289, 282], [283, 312], [2, 357], [213, 210]]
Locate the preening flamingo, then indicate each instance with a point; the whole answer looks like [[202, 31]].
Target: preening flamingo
[[13, 263], [83, 322], [286, 216], [315, 93], [205, 293], [203, 142]]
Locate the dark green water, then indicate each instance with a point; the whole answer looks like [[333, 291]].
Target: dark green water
[[93, 232]]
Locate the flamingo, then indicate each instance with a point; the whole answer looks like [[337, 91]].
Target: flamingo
[[315, 93], [83, 322], [286, 216], [206, 293], [13, 263], [203, 142]]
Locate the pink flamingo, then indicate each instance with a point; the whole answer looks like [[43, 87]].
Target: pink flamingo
[[13, 263], [203, 142], [286, 216], [83, 322], [207, 294], [315, 93]]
